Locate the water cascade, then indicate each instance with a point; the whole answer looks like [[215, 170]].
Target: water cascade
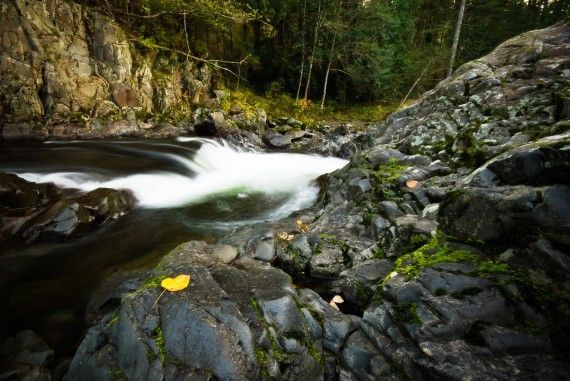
[[215, 169]]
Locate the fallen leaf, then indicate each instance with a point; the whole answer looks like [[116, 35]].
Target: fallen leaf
[[283, 235], [302, 226], [411, 183], [333, 305], [337, 299], [176, 284], [290, 237]]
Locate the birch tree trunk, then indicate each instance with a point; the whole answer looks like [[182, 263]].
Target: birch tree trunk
[[331, 58], [303, 52], [456, 37], [312, 58]]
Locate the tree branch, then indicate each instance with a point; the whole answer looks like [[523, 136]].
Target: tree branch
[[216, 63]]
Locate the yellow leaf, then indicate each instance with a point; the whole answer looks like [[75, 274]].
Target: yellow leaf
[[283, 235], [176, 284]]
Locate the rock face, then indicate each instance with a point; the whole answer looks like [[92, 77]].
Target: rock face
[[446, 235], [66, 71], [514, 95]]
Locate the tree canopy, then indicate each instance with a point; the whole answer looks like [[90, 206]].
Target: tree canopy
[[352, 50]]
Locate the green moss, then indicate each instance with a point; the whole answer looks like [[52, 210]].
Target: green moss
[[406, 313], [345, 249], [378, 296], [435, 251], [415, 242], [362, 293], [469, 291], [380, 253], [384, 174], [368, 219], [440, 291], [294, 334], [262, 360], [119, 375], [154, 281], [151, 356], [278, 354], [160, 342], [474, 157], [114, 320], [315, 353]]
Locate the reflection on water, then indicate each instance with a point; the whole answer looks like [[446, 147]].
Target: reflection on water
[[187, 189]]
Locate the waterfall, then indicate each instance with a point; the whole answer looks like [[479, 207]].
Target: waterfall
[[215, 169]]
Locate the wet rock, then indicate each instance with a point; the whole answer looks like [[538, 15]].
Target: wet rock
[[16, 192], [275, 139], [25, 356], [41, 211], [70, 217], [235, 322]]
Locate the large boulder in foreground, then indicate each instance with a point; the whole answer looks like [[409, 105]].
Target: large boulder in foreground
[[239, 319]]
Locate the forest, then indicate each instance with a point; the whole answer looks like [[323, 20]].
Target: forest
[[349, 51]]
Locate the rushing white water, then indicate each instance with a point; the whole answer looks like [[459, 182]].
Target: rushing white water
[[218, 168]]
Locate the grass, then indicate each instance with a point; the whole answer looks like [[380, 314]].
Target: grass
[[278, 104]]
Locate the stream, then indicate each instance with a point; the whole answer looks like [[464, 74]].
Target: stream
[[187, 189]]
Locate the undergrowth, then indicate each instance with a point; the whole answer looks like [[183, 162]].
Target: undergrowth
[[279, 104]]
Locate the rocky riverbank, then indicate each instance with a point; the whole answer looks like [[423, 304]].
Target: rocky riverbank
[[450, 269], [446, 236]]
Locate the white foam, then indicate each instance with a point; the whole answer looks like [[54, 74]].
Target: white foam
[[219, 168]]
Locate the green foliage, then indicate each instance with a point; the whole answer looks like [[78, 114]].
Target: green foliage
[[377, 49], [278, 104]]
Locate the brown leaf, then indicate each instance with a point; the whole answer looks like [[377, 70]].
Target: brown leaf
[[411, 183]]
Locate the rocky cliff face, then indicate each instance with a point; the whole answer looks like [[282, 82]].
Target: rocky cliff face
[[66, 71], [447, 237]]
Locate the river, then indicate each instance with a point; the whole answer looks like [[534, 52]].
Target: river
[[187, 189]]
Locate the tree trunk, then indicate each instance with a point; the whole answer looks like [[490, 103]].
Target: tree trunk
[[303, 29], [331, 58], [456, 37], [312, 58]]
